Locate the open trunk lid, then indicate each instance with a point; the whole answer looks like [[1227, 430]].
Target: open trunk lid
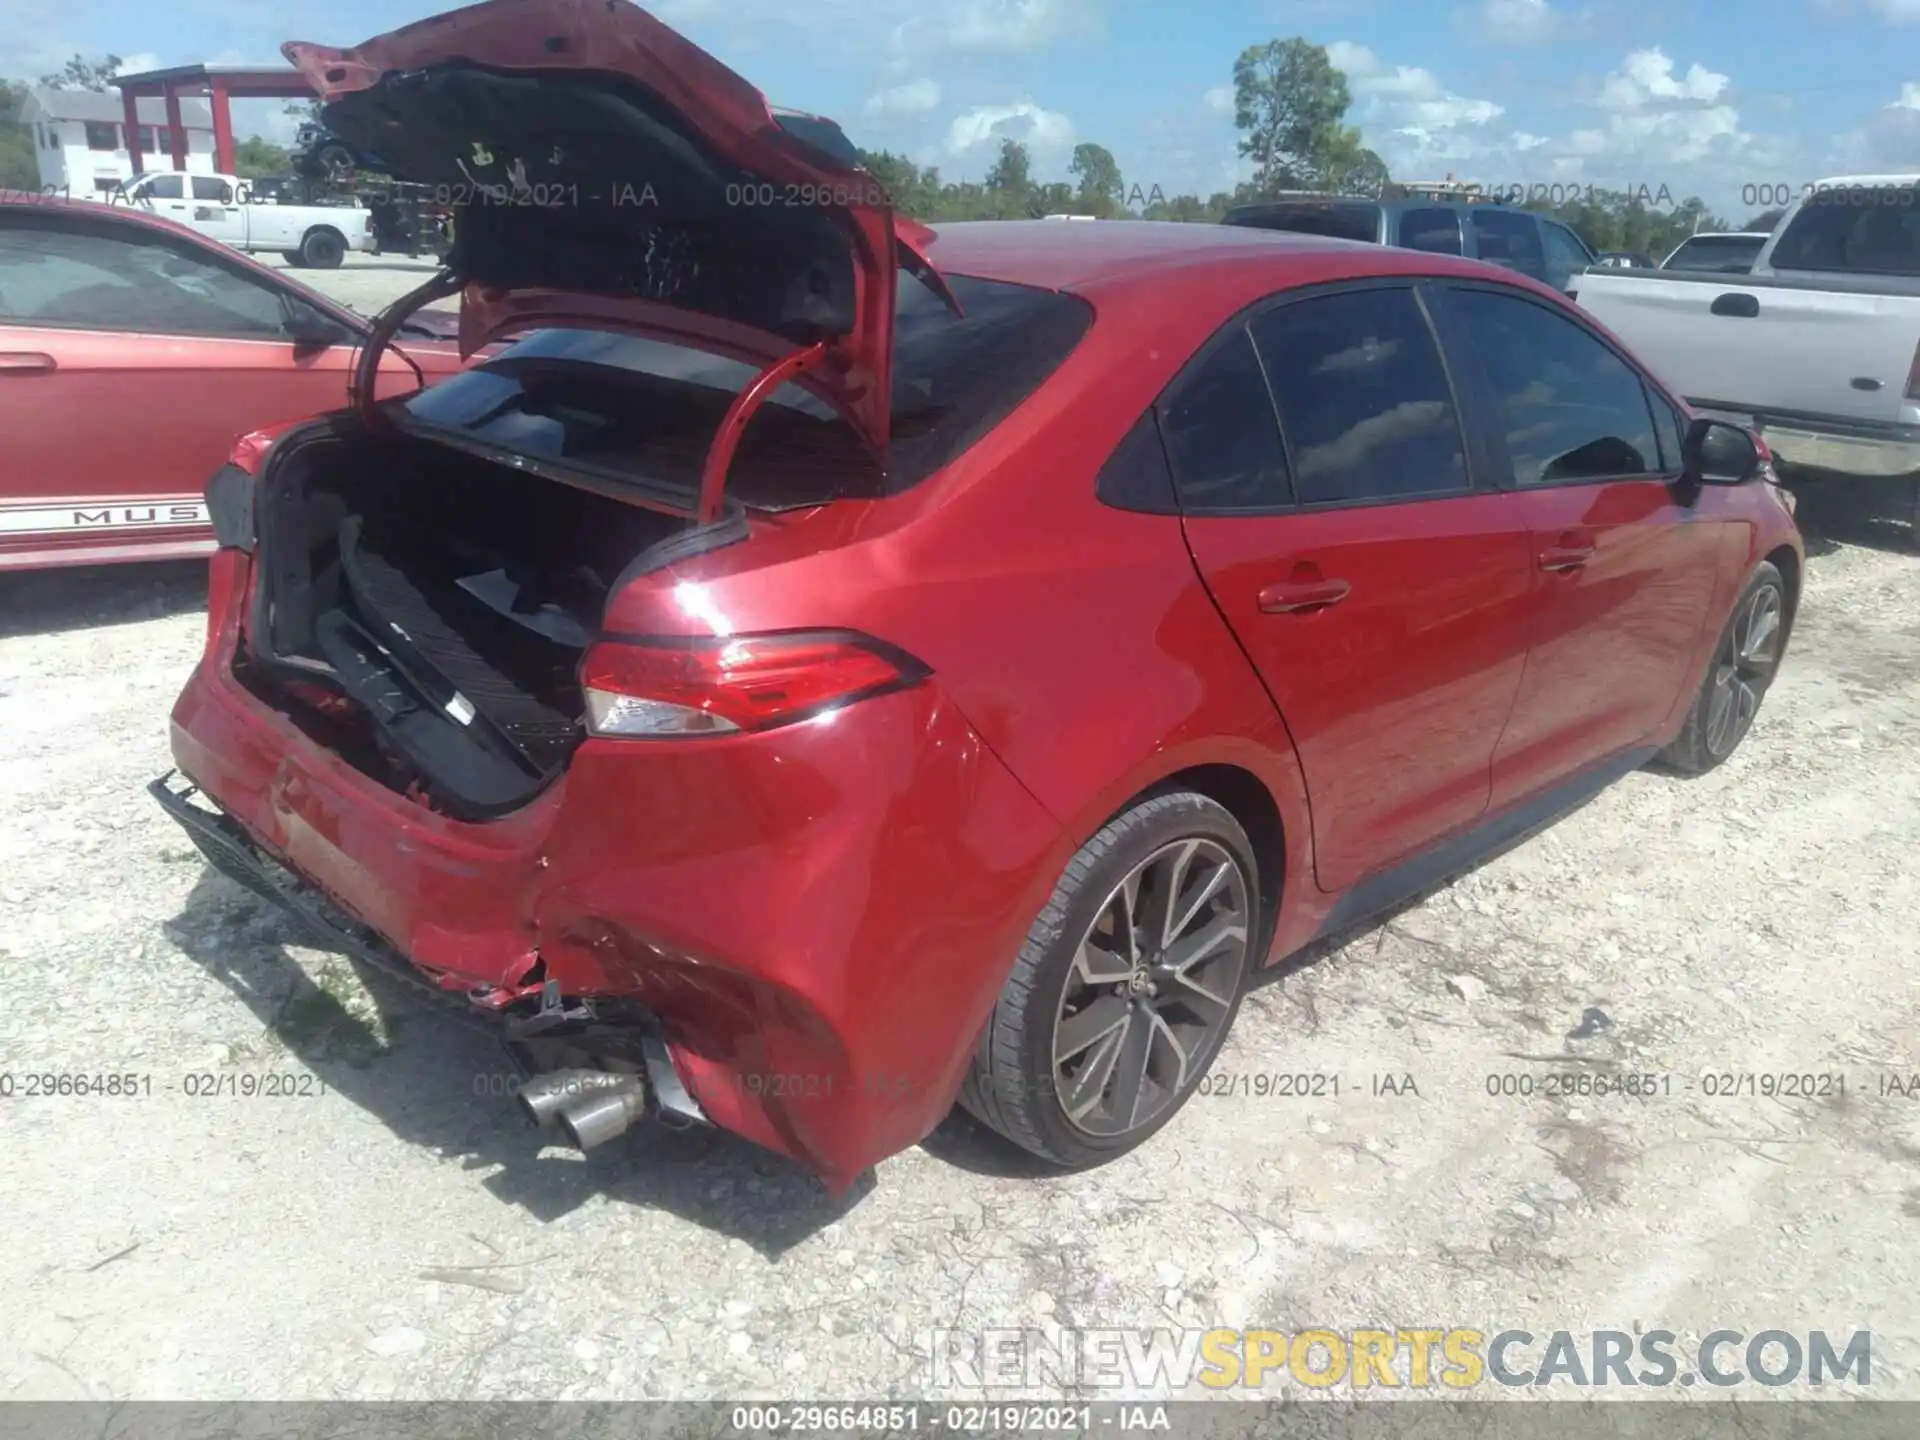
[[606, 173]]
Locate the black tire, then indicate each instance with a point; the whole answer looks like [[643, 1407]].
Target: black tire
[[334, 159], [1013, 1085], [323, 249], [292, 257], [1739, 675]]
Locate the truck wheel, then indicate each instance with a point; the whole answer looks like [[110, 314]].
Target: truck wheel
[[333, 159], [292, 257], [1743, 666], [323, 249], [1126, 986]]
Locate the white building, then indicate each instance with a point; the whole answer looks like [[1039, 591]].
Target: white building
[[79, 138]]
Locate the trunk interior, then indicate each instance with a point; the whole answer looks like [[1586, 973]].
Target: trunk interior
[[424, 611]]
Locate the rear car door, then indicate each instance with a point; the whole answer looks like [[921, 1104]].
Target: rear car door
[[130, 360], [1330, 505], [1624, 571]]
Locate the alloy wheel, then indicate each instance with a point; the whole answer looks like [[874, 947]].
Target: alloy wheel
[[1743, 667], [1151, 987]]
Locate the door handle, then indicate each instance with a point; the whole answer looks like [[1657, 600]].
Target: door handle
[[1302, 596], [26, 362], [1738, 304], [1561, 558]]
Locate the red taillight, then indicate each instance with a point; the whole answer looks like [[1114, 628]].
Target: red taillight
[[666, 687]]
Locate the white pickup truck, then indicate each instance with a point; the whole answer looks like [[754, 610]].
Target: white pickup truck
[[219, 207], [1817, 349]]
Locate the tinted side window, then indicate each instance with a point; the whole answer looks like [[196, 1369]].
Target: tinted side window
[[1566, 256], [1503, 237], [1571, 409], [1221, 434], [1364, 401], [1875, 231], [165, 187], [211, 187], [1136, 476], [1673, 432], [59, 274], [1435, 231]]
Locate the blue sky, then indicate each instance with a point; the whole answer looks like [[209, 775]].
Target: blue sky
[[1718, 102]]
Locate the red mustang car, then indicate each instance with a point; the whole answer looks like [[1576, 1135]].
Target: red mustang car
[[833, 668], [132, 352]]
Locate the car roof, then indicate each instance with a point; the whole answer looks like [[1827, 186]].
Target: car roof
[[1109, 253]]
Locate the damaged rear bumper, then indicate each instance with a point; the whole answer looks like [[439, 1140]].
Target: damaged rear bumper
[[591, 1106]]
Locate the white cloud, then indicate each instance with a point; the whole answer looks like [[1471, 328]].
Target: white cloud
[[1521, 22], [916, 97], [1646, 79], [1047, 133], [1003, 27], [1909, 97], [1900, 12], [1406, 99], [1219, 99]]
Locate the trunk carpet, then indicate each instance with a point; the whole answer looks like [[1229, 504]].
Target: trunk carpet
[[524, 683]]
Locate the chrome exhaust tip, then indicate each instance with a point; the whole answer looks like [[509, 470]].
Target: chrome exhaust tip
[[606, 1113], [544, 1096]]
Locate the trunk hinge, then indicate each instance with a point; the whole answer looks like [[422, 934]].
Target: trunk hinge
[[713, 475], [363, 384]]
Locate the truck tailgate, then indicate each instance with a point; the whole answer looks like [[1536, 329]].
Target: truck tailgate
[[1751, 344]]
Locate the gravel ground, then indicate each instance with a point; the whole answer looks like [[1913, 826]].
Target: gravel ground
[[401, 1235]]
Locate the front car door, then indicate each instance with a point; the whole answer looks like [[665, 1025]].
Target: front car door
[[1624, 567], [130, 360], [1510, 238], [1566, 255], [1330, 504]]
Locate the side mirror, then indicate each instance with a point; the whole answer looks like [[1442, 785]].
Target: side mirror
[[310, 330], [1716, 453]]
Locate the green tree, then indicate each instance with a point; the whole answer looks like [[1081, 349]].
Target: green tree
[[19, 169], [1097, 175], [1010, 183], [914, 191], [1347, 167], [255, 159], [1288, 102], [79, 73]]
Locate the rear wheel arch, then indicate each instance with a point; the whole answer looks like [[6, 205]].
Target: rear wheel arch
[[1246, 797], [1787, 561]]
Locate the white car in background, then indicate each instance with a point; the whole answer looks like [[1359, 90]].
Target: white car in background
[[218, 206]]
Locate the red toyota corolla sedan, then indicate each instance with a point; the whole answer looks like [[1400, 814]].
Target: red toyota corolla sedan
[[827, 668]]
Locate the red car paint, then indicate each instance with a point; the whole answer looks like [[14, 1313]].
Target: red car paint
[[823, 915], [112, 433]]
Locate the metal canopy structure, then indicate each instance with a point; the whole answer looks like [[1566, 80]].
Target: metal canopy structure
[[219, 85]]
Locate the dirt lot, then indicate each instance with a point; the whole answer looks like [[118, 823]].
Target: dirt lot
[[402, 1235]]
